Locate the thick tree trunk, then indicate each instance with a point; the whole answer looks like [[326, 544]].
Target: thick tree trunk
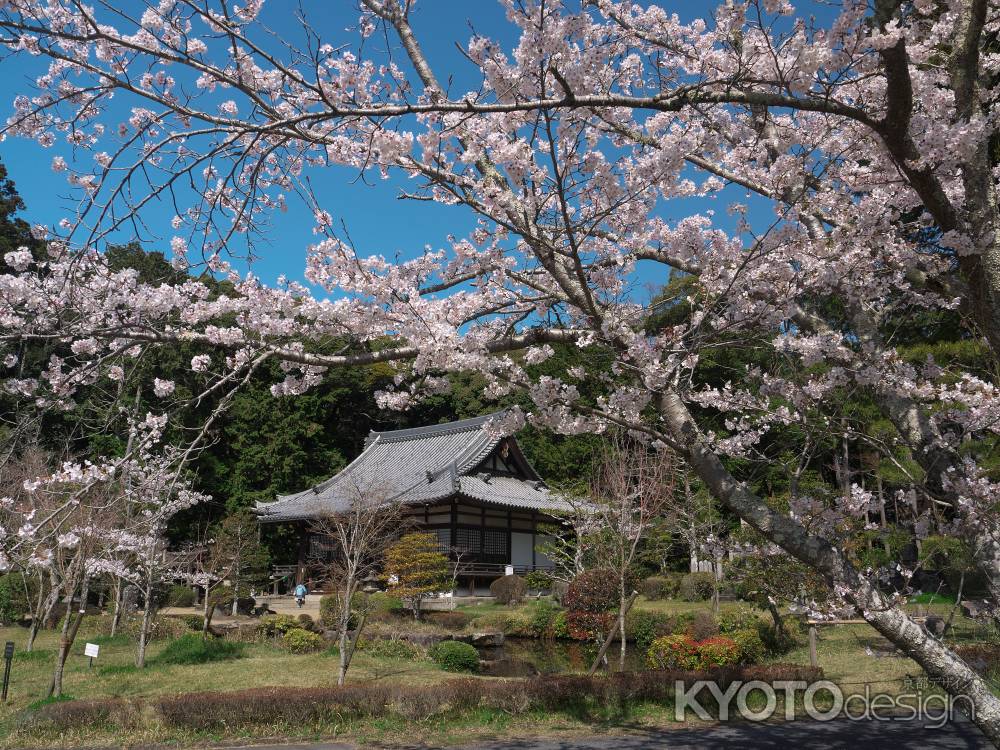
[[937, 660]]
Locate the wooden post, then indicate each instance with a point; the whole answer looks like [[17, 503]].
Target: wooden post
[[813, 661], [300, 566], [611, 636]]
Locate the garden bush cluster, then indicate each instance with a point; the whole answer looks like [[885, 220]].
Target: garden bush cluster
[[538, 580], [684, 652]]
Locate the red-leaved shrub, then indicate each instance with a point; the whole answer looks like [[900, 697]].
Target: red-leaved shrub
[[590, 603]]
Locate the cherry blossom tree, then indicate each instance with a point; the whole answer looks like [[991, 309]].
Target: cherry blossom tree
[[872, 139], [83, 521]]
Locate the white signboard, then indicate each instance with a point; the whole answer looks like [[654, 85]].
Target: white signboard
[[91, 650]]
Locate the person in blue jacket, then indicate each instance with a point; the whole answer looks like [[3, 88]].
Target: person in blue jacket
[[300, 594]]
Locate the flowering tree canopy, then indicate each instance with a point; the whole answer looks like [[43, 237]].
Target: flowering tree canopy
[[872, 139]]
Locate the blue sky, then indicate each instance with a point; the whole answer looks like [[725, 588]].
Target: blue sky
[[377, 220]]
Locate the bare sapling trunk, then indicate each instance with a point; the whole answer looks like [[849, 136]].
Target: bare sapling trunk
[[147, 613], [42, 612], [116, 615], [601, 657], [235, 608], [206, 612], [955, 606], [622, 609], [346, 595], [71, 626]]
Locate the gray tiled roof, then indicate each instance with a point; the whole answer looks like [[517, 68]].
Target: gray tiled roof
[[419, 465]]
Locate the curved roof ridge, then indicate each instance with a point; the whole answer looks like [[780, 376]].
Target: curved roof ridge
[[447, 428]]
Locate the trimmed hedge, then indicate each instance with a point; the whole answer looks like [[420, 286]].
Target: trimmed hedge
[[270, 708]]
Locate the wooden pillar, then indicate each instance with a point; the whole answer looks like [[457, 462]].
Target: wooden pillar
[[300, 570], [510, 551], [534, 537], [813, 659], [454, 522]]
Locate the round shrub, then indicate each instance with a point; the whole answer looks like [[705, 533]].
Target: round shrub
[[329, 610], [672, 652], [306, 622], [751, 645], [696, 587], [455, 656], [330, 605], [180, 596], [299, 641], [590, 603], [780, 642], [538, 580], [558, 591], [509, 589], [193, 622]]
